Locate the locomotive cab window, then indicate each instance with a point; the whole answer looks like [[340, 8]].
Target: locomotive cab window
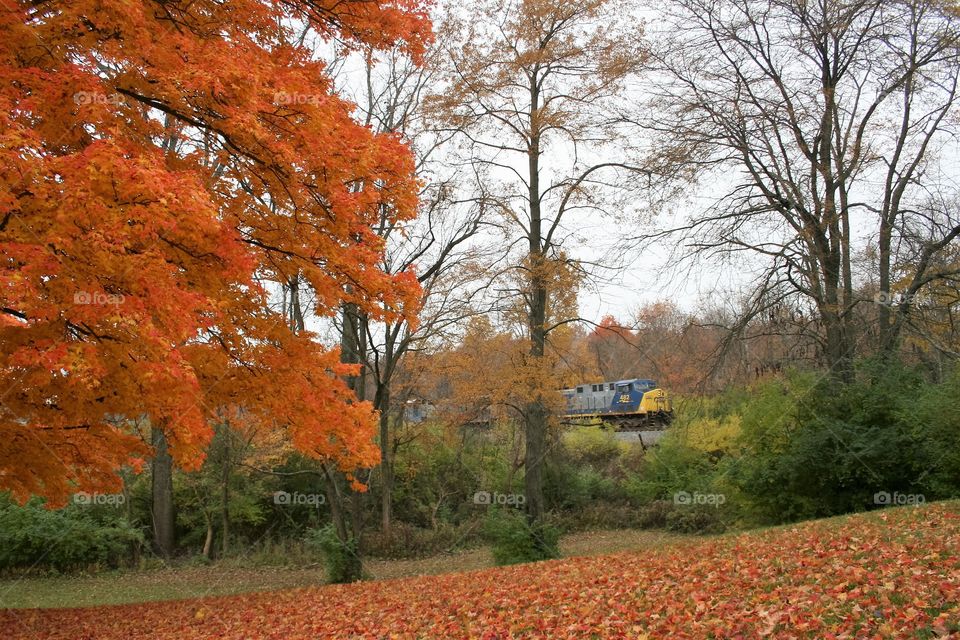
[[645, 385]]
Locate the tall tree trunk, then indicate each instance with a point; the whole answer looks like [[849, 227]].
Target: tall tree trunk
[[356, 512], [347, 522], [208, 540], [386, 469], [536, 413], [332, 491], [536, 446], [349, 354], [353, 351], [162, 507], [834, 267], [353, 562], [225, 495], [382, 402], [849, 329], [884, 320], [838, 349]]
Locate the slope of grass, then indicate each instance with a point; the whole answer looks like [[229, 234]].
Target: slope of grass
[[179, 582], [889, 574]]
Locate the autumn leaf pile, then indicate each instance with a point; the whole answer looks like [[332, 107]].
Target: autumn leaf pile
[[894, 574]]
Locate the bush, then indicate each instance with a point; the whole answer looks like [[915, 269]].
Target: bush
[[439, 471], [595, 447], [936, 425], [271, 552], [32, 536], [409, 541], [570, 487], [814, 448], [514, 540], [340, 557], [602, 515], [698, 520], [672, 466], [654, 515], [589, 471]]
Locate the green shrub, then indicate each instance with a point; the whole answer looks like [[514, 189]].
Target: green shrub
[[438, 472], [654, 515], [671, 466], [514, 540], [694, 519], [341, 558], [409, 541], [602, 515], [589, 470], [815, 448], [595, 447], [935, 423], [570, 487], [34, 537]]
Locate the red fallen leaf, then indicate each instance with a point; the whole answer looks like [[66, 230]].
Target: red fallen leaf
[[805, 582]]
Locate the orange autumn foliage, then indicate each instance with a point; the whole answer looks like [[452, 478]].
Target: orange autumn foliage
[[158, 162]]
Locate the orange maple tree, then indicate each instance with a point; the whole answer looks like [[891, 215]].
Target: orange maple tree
[[160, 161]]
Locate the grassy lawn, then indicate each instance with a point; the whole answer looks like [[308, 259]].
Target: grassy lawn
[[196, 581]]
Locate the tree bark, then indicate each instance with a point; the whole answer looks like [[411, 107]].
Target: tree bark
[[225, 495], [386, 469], [536, 413], [162, 507], [208, 540], [347, 522], [332, 491]]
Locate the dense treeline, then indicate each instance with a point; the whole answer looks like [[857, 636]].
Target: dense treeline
[[788, 446]]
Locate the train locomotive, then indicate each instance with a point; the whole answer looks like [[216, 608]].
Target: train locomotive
[[627, 405]]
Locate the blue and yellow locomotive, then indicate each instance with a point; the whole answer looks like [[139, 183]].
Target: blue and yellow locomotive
[[627, 405]]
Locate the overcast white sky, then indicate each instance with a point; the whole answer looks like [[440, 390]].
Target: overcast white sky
[[651, 274]]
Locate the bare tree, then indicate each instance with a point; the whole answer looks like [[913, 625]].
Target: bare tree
[[439, 249], [534, 86], [816, 121]]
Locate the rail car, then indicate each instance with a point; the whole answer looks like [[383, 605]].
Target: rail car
[[627, 405]]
